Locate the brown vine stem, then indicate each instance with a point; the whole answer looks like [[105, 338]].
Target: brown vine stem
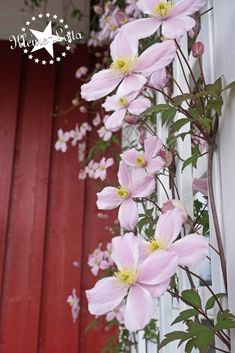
[[206, 285], [214, 214]]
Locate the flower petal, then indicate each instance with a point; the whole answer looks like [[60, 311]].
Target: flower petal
[[132, 82], [139, 308], [152, 146], [107, 199], [129, 157], [106, 295], [186, 7], [111, 103], [168, 226], [191, 249], [175, 27], [158, 290], [125, 251], [124, 176], [123, 46], [143, 187], [141, 28], [147, 6], [139, 105], [156, 57], [115, 120], [101, 84], [157, 267], [128, 214], [154, 165]]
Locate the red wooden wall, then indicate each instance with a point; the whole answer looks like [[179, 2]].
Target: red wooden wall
[[48, 218]]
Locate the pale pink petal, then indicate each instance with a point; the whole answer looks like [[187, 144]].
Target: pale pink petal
[[138, 106], [125, 252], [130, 156], [175, 27], [124, 176], [141, 28], [157, 267], [128, 214], [132, 82], [154, 165], [106, 295], [101, 84], [152, 146], [147, 6], [114, 121], [156, 57], [143, 187], [158, 290], [200, 184], [158, 79], [139, 308], [109, 162], [110, 316], [187, 7], [168, 226], [111, 103], [107, 199], [191, 249], [123, 46]]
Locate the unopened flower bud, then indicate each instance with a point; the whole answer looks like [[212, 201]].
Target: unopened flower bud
[[83, 109], [167, 156], [98, 9], [98, 66], [197, 49], [75, 102], [131, 119]]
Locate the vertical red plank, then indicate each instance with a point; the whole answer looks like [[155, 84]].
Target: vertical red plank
[[10, 69], [65, 224], [95, 232], [27, 216]]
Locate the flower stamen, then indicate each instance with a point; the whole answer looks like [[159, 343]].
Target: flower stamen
[[125, 277], [140, 161], [122, 192], [162, 8]]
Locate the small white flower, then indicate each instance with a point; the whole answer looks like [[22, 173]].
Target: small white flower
[[73, 301], [97, 120], [81, 71], [63, 138]]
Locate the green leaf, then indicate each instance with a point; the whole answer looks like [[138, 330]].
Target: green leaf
[[192, 298], [172, 336], [189, 346], [179, 124], [191, 160], [182, 97], [156, 109], [211, 301], [168, 115], [225, 320], [215, 87], [185, 315], [230, 86]]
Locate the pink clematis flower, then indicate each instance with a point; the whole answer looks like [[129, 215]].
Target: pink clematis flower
[[175, 19], [101, 170], [91, 168], [201, 185], [190, 250], [116, 313], [63, 138], [132, 281], [149, 159], [127, 67], [171, 204], [132, 185], [121, 104]]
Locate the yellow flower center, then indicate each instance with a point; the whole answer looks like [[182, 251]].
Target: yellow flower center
[[140, 161], [123, 101], [101, 167], [162, 8], [122, 192], [122, 64], [125, 277], [113, 28], [156, 245]]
